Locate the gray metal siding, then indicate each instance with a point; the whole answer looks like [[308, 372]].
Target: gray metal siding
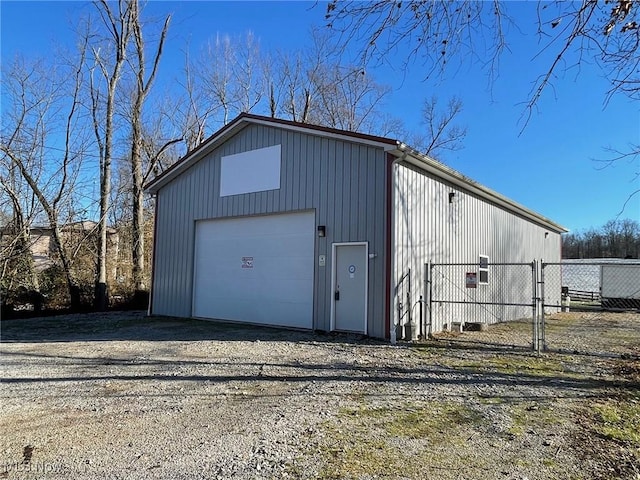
[[172, 281], [429, 228], [343, 182]]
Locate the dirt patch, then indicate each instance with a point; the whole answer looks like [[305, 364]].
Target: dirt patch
[[120, 395]]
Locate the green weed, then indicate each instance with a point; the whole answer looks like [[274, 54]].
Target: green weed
[[363, 442], [619, 420], [525, 417]]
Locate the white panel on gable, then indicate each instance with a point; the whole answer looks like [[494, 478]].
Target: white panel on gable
[[252, 171]]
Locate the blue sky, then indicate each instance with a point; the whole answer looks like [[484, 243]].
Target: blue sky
[[548, 167]]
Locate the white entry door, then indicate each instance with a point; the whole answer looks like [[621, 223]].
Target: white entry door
[[256, 269], [350, 282]]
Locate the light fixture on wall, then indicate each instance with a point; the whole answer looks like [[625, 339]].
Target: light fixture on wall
[[322, 231], [452, 195], [546, 234]]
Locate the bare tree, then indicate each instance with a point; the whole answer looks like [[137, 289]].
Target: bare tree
[[193, 113], [17, 267], [247, 73], [621, 238], [438, 32], [18, 202], [607, 31], [615, 239], [273, 82], [40, 105], [442, 133], [215, 74], [346, 98], [228, 76], [109, 61], [312, 86], [161, 139], [435, 32], [143, 85], [306, 76], [289, 77]]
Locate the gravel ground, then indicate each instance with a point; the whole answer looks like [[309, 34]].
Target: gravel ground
[[121, 395]]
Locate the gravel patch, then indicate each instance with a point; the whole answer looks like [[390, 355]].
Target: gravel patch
[[121, 395]]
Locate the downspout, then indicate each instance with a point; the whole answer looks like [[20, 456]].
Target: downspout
[[391, 319]]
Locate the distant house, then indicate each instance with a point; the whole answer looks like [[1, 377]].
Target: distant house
[[42, 246], [282, 223]]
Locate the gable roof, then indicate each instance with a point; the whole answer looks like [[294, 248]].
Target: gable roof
[[401, 152], [242, 121]]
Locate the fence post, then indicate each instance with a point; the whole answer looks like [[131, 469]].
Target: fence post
[[542, 300], [420, 313], [534, 304], [428, 295]]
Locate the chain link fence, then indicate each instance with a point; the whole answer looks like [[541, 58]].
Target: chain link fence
[[599, 307], [573, 306], [592, 285]]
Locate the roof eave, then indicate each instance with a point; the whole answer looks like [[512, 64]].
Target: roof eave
[[194, 155], [396, 148], [406, 153]]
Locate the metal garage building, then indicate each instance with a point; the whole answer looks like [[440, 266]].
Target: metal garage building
[[281, 223]]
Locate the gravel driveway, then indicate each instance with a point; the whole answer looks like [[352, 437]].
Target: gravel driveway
[[121, 395]]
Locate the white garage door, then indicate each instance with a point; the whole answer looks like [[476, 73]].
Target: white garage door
[[256, 269]]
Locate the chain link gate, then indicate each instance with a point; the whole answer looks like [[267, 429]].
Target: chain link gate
[[496, 302]]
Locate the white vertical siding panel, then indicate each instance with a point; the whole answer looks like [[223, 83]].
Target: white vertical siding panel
[[429, 228]]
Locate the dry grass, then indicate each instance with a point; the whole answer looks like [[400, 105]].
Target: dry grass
[[586, 428]]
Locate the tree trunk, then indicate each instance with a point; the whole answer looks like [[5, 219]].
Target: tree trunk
[[120, 28], [101, 299], [138, 210], [143, 86], [74, 289]]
